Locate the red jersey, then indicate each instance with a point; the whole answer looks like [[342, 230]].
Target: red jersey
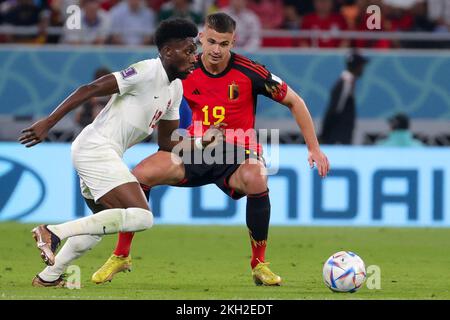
[[230, 97]]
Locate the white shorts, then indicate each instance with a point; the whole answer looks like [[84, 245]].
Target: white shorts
[[99, 164]]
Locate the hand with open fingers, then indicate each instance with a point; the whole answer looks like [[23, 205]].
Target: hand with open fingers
[[35, 134], [320, 160], [214, 135]]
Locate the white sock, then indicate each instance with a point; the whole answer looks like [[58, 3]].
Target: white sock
[[105, 222], [74, 248]]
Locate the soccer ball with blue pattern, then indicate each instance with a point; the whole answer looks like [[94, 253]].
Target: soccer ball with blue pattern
[[344, 271]]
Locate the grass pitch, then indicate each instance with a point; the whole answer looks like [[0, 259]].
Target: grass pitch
[[212, 262]]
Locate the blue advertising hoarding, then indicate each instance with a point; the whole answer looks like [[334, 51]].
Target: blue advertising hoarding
[[368, 186]]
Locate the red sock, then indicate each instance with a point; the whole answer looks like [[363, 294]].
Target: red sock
[[124, 244], [258, 251]]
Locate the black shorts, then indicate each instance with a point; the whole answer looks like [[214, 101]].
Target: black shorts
[[215, 165]]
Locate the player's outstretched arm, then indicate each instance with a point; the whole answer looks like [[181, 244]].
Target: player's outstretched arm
[[303, 118], [104, 86]]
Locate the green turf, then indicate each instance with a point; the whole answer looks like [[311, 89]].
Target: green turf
[[212, 262]]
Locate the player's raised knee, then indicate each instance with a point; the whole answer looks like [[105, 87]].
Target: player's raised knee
[[137, 219], [158, 169], [140, 173], [254, 179]]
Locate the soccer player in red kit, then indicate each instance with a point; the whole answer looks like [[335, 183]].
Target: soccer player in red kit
[[223, 90]]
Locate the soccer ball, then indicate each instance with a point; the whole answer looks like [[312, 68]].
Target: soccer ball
[[344, 271]]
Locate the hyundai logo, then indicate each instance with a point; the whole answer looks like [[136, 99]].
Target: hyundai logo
[[22, 190]]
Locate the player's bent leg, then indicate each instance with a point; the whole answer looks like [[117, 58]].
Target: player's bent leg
[[118, 262], [136, 217], [127, 195], [74, 248], [250, 179], [52, 276], [157, 169], [105, 222]]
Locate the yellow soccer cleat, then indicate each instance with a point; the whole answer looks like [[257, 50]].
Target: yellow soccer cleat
[[114, 265], [262, 275]]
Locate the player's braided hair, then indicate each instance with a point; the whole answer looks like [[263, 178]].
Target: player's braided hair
[[174, 29], [221, 22]]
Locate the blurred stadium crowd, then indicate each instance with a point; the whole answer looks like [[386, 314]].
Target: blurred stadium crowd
[[415, 91], [132, 22]]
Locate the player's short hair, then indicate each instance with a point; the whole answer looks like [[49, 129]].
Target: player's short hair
[[174, 29], [221, 22]]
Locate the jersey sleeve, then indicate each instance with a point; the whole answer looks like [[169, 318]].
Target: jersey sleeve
[[129, 78], [173, 111], [270, 86]]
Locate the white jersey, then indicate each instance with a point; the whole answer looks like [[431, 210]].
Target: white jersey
[[145, 96]]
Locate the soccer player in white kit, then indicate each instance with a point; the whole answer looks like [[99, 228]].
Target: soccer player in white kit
[[145, 94]]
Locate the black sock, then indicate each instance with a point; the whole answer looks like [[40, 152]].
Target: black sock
[[258, 215], [146, 190]]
